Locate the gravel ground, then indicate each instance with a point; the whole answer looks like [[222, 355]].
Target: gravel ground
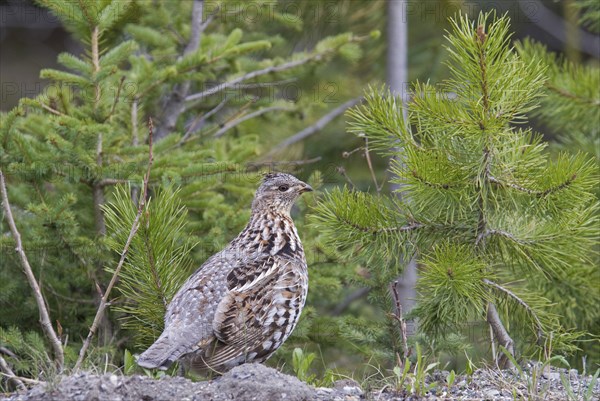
[[257, 382]]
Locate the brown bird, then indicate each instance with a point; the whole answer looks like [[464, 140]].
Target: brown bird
[[244, 301]]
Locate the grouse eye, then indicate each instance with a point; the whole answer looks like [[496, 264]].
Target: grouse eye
[[283, 188]]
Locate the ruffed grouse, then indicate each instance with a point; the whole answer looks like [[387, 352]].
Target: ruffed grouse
[[244, 301]]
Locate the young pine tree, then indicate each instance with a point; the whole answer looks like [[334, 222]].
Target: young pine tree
[[570, 111], [482, 205]]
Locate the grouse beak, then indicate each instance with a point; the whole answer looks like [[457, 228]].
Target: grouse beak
[[305, 188]]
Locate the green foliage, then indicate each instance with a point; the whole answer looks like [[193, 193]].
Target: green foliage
[[63, 152], [487, 211], [301, 364], [590, 15], [158, 261], [413, 381], [571, 105], [451, 274], [30, 356]]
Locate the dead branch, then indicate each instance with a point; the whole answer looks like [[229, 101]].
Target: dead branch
[[197, 124], [251, 75], [132, 232], [316, 127], [246, 117], [37, 293], [398, 317], [7, 371]]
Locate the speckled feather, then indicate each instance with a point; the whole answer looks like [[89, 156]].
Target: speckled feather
[[244, 301]]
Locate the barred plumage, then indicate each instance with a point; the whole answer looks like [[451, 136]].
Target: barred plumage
[[244, 301]]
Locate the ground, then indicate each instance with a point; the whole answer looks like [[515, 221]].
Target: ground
[[257, 382]]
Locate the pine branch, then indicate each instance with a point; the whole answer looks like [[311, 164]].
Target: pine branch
[[380, 230], [253, 74], [430, 184], [37, 293], [539, 327], [570, 95], [134, 228], [489, 232], [529, 191], [153, 271]]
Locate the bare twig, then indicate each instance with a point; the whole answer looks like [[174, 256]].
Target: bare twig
[[51, 110], [246, 117], [199, 121], [316, 127], [251, 75], [397, 315], [117, 96], [342, 171], [539, 327], [370, 165], [501, 335], [37, 293], [175, 104], [7, 371], [132, 232], [7, 352]]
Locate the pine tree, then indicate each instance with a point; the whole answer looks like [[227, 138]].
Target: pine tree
[[214, 82], [570, 111], [483, 206]]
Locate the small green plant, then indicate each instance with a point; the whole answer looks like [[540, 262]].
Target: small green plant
[[301, 364], [413, 382], [583, 393], [401, 375], [420, 373], [450, 379], [129, 364], [470, 368]]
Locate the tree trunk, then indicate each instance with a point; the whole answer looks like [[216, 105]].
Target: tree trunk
[[501, 335], [397, 80]]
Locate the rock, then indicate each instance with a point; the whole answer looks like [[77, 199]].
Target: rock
[[256, 382], [348, 387], [491, 394]]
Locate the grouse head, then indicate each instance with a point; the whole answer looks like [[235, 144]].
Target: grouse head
[[278, 192]]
